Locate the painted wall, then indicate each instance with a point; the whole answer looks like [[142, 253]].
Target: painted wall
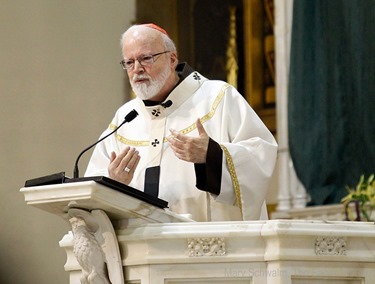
[[60, 83]]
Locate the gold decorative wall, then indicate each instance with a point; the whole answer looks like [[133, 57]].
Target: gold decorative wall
[[260, 59]]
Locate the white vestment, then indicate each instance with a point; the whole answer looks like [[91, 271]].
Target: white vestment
[[249, 150]]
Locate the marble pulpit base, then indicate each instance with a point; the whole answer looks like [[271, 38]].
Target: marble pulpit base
[[151, 245], [264, 252]]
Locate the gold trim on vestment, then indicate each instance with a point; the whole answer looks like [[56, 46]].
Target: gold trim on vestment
[[186, 130], [210, 114], [133, 143], [233, 175]]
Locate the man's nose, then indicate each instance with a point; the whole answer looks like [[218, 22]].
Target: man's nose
[[138, 67]]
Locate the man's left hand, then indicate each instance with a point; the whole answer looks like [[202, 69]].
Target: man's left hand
[[190, 149]]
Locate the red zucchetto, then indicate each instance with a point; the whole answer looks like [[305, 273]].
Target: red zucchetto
[[156, 27]]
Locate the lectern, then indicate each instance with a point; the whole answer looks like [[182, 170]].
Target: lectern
[[95, 207], [118, 238]]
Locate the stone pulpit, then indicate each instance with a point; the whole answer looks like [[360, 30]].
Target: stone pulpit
[[119, 237]]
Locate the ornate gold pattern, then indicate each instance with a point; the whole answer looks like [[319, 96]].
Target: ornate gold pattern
[[232, 58], [216, 103], [233, 174], [126, 141], [186, 130]]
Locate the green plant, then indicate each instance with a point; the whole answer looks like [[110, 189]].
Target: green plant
[[364, 195]]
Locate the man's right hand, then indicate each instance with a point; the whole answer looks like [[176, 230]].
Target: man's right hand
[[122, 166]]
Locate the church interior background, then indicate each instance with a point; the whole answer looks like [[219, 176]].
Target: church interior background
[[60, 66]]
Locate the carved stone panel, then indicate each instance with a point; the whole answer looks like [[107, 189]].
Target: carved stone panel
[[330, 246], [206, 247]]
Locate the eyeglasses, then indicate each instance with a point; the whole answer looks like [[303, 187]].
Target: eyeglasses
[[145, 60]]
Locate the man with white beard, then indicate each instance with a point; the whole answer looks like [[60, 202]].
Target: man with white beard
[[196, 142]]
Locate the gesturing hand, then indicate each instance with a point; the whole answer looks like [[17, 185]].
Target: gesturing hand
[[122, 166], [190, 149]]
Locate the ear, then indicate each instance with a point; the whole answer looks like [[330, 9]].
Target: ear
[[173, 60]]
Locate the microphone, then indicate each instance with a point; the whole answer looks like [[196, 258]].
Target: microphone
[[167, 104], [128, 118]]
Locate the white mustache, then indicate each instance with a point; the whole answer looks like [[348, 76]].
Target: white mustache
[[140, 77]]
